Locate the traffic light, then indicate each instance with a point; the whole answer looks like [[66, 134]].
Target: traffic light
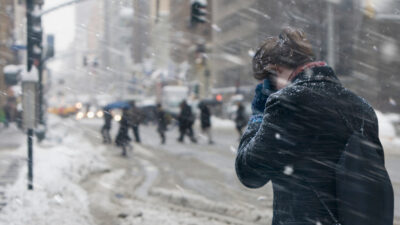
[[198, 12], [34, 39], [50, 46]]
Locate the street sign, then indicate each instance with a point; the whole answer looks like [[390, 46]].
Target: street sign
[[29, 96], [29, 90], [18, 47]]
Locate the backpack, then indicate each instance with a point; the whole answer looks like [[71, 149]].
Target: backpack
[[364, 191]]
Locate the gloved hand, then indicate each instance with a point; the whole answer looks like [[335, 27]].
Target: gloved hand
[[262, 92]]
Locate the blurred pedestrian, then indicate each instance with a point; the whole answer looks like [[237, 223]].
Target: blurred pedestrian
[[122, 140], [162, 122], [205, 121], [105, 130], [5, 115], [135, 118], [240, 119], [186, 120], [297, 135]]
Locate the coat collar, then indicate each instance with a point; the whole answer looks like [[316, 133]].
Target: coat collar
[[314, 71]]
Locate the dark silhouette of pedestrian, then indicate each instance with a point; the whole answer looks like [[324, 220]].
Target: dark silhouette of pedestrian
[[105, 130], [186, 120], [240, 119], [205, 121], [135, 118], [122, 140], [162, 122], [297, 135]]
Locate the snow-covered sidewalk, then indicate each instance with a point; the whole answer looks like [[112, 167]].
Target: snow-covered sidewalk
[[60, 163]]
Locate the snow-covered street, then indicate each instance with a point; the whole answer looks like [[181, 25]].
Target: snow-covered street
[[78, 180]]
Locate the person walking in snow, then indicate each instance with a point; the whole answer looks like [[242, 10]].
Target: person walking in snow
[[205, 121], [186, 120], [122, 140], [240, 119], [162, 122], [105, 130], [135, 117], [296, 135]]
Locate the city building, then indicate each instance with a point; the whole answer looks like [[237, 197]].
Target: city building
[[236, 26], [12, 41], [357, 38]]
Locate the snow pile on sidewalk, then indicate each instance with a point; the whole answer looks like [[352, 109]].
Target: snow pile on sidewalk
[[59, 166], [387, 132]]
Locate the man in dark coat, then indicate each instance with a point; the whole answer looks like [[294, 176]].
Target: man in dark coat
[[162, 122], [135, 116], [205, 121], [105, 130], [240, 119], [186, 120], [298, 139], [122, 140]]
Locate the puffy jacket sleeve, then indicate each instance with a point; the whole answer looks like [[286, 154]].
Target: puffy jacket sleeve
[[269, 142]]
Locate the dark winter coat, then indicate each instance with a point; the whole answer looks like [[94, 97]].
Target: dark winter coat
[[298, 142], [241, 118], [135, 116], [162, 121], [205, 117], [123, 137], [186, 117], [107, 120]]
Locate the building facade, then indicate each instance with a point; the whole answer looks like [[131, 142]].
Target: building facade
[[359, 44], [12, 41]]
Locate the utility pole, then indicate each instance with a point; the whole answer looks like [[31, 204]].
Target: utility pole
[[30, 41]]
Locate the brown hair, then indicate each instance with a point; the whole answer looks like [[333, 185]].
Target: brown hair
[[290, 49]]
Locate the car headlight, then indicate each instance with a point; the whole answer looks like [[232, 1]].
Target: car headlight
[[100, 114], [80, 115], [90, 115], [78, 105], [117, 118]]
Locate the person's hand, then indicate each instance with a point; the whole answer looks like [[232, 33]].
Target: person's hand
[[262, 92]]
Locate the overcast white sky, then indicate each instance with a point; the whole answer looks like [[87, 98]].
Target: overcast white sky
[[61, 23]]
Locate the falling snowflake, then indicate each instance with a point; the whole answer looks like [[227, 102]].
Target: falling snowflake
[[288, 170], [251, 53], [216, 27], [261, 198], [233, 149], [392, 101]]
